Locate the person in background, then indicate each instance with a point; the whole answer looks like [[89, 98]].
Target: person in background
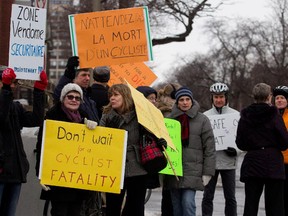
[[82, 78], [149, 93], [226, 160], [262, 134], [198, 153], [165, 102], [121, 113], [66, 201], [14, 165], [99, 88], [280, 94]]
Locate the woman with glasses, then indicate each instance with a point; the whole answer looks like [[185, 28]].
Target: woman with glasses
[[66, 201]]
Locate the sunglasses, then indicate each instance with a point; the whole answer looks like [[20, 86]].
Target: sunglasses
[[72, 97]]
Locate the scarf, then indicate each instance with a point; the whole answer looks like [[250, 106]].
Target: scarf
[[74, 116], [184, 121]]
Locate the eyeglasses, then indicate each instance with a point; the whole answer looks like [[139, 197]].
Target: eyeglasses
[[72, 97]]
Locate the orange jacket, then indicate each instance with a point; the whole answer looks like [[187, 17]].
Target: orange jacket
[[285, 118]]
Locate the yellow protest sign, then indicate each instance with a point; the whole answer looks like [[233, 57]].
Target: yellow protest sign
[[74, 156], [111, 37], [174, 129], [149, 116], [137, 74]]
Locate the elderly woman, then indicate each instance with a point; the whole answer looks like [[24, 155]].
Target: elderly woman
[[65, 201], [262, 133], [198, 153], [120, 113]]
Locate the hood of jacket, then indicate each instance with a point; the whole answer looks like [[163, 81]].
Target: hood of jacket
[[191, 112], [258, 113]]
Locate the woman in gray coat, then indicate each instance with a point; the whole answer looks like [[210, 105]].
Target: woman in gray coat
[[198, 153]]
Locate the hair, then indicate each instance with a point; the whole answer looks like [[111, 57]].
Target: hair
[[122, 89], [261, 92], [83, 69]]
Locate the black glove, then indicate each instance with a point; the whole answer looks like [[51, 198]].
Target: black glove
[[114, 122], [230, 151], [162, 142], [71, 66]]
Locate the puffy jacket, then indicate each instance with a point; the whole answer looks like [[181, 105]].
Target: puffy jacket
[[262, 133], [198, 157], [223, 161], [13, 118]]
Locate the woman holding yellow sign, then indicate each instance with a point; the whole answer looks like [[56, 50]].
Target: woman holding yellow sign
[[65, 201], [121, 113]]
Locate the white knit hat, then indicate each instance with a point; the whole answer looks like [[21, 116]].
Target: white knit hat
[[71, 87]]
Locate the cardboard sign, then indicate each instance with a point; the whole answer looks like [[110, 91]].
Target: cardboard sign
[[74, 156], [111, 37], [224, 129], [137, 74], [174, 129], [27, 41], [149, 116]]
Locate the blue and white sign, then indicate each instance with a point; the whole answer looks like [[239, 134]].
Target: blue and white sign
[[27, 41]]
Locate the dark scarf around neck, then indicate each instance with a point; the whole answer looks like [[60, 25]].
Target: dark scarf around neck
[[184, 121], [74, 116]]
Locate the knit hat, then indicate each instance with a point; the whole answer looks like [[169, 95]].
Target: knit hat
[[71, 87], [146, 90], [183, 91], [101, 74]]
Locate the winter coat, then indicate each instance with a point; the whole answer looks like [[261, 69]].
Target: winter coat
[[59, 193], [262, 133], [88, 106], [285, 118], [129, 123], [13, 117], [99, 94], [223, 161], [198, 158]]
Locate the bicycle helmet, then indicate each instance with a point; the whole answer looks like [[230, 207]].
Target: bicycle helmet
[[218, 88], [280, 90]]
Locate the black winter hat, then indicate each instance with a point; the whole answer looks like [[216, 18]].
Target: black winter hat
[[101, 74], [146, 90]]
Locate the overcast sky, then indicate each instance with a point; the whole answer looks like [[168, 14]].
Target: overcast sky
[[166, 57]]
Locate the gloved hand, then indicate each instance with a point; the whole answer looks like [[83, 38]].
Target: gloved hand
[[230, 151], [161, 142], [8, 76], [206, 179], [42, 84], [45, 187], [71, 66], [114, 122], [90, 124]]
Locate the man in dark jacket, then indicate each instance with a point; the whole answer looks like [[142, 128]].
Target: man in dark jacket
[[99, 88], [262, 133], [14, 165], [82, 78]]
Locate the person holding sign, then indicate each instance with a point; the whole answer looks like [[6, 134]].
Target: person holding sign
[[121, 113], [82, 78], [198, 153], [262, 134], [280, 94], [14, 165], [65, 201], [226, 160]]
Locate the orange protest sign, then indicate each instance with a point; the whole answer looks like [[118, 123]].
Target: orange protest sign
[[111, 37], [137, 74]]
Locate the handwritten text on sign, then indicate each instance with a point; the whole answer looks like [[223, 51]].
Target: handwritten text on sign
[[174, 129], [224, 129], [111, 37], [74, 156], [27, 41]]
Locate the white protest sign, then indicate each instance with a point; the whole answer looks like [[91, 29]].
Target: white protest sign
[[27, 41], [224, 129]]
